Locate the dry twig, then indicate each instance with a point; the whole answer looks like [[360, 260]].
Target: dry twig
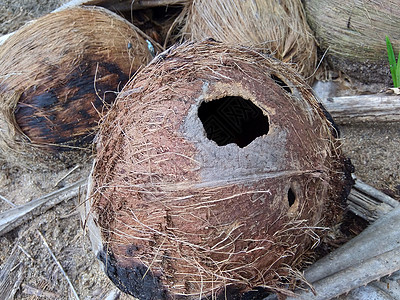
[[14, 217], [30, 290], [369, 203], [10, 275], [365, 108], [59, 265], [370, 256], [7, 201]]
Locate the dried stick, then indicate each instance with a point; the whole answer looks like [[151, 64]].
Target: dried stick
[[113, 295], [59, 265], [365, 108], [30, 290], [67, 174], [369, 203], [380, 237], [14, 217], [126, 5], [353, 277], [10, 275], [372, 254], [3, 38], [7, 201], [136, 5]]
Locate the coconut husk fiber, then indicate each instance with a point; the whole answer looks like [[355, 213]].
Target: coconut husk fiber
[[274, 27], [58, 75], [215, 170], [354, 34]]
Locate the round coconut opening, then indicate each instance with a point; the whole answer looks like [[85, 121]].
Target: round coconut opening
[[59, 75], [232, 119], [210, 176]]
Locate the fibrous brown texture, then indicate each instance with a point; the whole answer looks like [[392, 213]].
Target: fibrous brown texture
[[354, 33], [57, 75], [215, 168], [274, 27]]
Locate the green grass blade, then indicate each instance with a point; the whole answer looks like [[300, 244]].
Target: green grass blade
[[392, 61], [398, 72]]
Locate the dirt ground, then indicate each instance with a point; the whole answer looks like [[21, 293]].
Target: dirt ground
[[373, 149]]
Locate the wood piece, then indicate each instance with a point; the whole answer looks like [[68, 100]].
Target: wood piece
[[7, 201], [14, 217], [365, 108], [11, 275], [73, 3], [353, 277], [113, 295], [31, 290], [124, 5], [369, 203], [372, 254], [380, 237]]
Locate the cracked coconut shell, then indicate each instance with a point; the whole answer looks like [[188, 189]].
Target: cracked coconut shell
[[58, 75], [215, 171]]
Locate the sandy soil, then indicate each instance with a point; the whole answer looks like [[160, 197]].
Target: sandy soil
[[13, 14], [373, 149]]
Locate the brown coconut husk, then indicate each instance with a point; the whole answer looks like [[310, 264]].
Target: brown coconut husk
[[354, 33], [57, 76], [177, 211], [274, 27]]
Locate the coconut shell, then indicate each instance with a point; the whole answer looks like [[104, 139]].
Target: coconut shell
[[57, 77], [354, 33], [215, 170], [274, 27]]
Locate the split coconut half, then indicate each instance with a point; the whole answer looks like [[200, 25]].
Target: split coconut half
[[58, 75]]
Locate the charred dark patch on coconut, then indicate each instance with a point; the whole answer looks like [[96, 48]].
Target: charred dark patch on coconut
[[65, 116], [135, 279]]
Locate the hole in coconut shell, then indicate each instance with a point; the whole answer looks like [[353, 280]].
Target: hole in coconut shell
[[291, 197], [282, 83], [233, 119]]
